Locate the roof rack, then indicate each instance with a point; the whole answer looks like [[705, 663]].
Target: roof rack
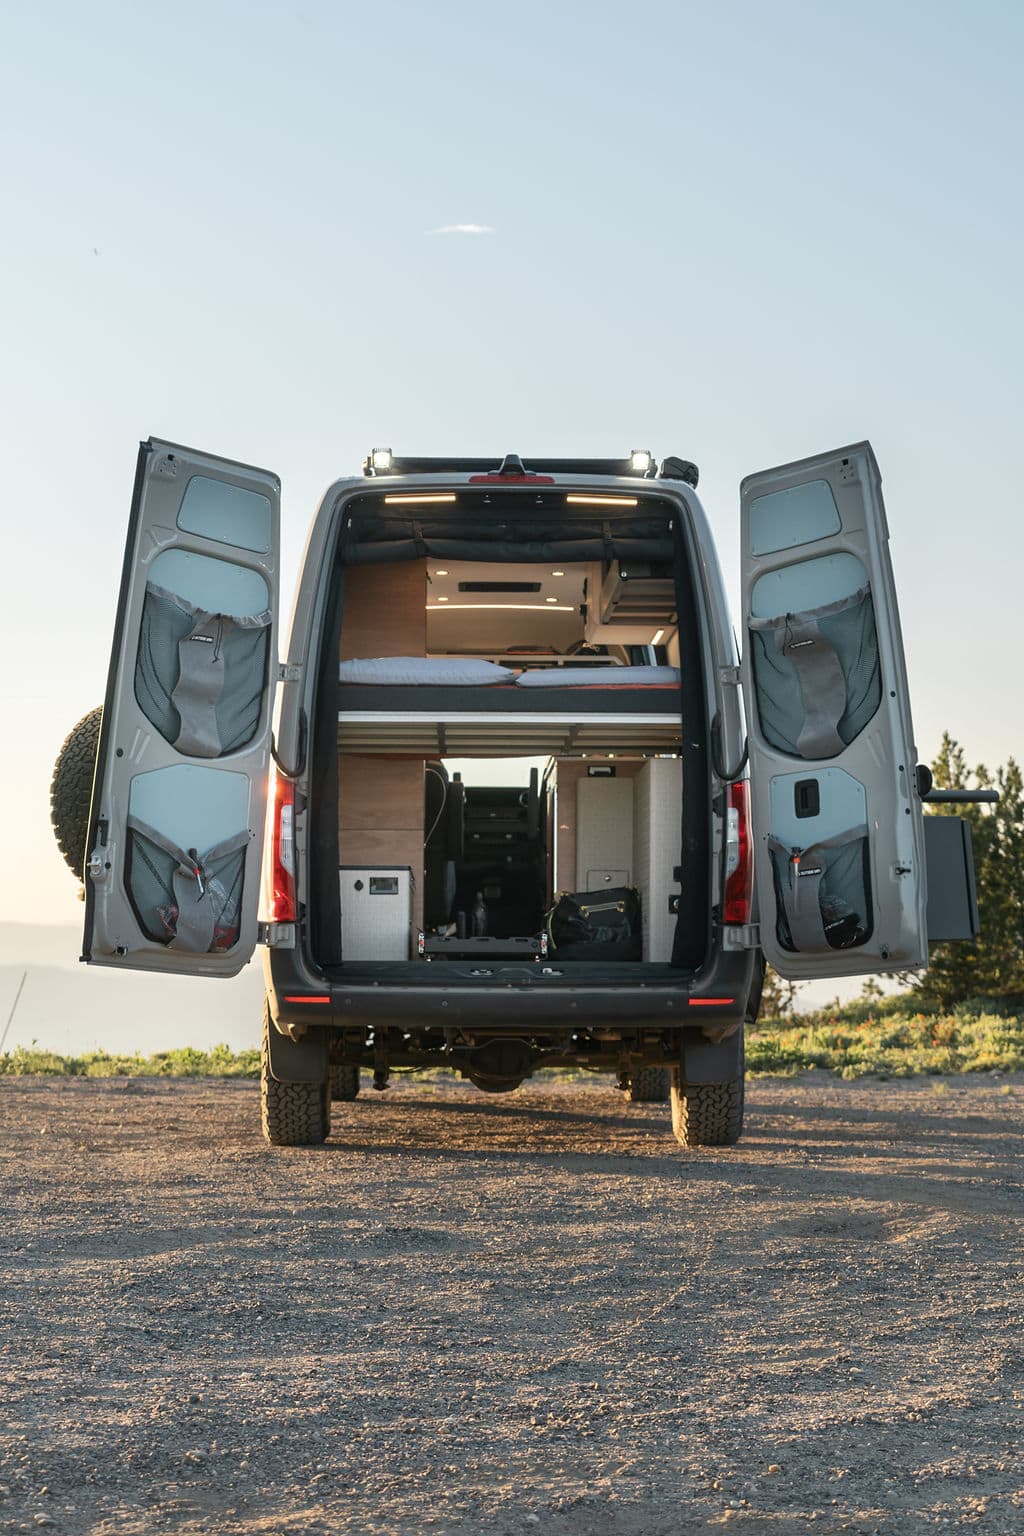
[[382, 462]]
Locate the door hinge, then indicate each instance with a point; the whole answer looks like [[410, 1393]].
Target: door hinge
[[276, 935], [745, 936], [730, 676], [287, 673]]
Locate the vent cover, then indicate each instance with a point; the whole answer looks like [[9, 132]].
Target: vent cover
[[499, 586]]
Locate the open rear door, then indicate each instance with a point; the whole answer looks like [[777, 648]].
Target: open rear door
[[179, 801], [839, 837]]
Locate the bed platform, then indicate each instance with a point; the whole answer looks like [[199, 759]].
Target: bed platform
[[504, 720]]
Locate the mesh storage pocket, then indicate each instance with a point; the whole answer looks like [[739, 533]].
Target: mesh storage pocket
[[817, 676], [187, 900], [823, 893], [199, 676]]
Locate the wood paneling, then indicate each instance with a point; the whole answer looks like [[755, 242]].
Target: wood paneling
[[384, 612], [380, 817], [379, 792]]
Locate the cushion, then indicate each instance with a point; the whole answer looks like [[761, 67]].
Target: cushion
[[455, 672], [597, 677]]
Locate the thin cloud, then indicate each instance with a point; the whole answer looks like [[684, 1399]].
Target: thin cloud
[[464, 229]]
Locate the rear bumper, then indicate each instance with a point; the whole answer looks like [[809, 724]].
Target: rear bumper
[[714, 1000]]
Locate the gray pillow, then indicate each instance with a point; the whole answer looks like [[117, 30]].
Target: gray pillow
[[597, 677], [455, 672]]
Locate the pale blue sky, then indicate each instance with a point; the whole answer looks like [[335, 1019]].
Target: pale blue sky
[[738, 233]]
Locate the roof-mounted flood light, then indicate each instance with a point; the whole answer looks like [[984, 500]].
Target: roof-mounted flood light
[[641, 461], [378, 462]]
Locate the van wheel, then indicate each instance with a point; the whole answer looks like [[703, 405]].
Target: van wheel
[[707, 1114], [650, 1085], [344, 1082], [71, 790], [293, 1114]]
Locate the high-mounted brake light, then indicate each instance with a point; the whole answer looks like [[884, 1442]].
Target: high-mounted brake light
[[739, 863], [512, 472], [524, 479], [281, 869]]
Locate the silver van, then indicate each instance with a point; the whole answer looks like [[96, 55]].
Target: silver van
[[525, 806]]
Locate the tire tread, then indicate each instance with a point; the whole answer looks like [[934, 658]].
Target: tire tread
[[292, 1114]]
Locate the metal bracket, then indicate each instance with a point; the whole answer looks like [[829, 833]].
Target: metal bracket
[[730, 676], [286, 673]]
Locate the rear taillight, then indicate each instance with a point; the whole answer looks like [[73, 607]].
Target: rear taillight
[[281, 864], [739, 864]]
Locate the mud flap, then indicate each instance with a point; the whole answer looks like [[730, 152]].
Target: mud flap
[[297, 1061], [705, 1061]]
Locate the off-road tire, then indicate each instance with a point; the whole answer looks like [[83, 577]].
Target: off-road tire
[[71, 790], [707, 1114], [344, 1082], [649, 1085], [293, 1114]]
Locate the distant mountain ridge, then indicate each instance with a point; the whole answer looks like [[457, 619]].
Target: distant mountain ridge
[[72, 1008]]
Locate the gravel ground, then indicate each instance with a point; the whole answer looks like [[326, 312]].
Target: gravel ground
[[508, 1315]]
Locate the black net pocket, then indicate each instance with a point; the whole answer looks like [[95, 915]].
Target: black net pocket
[[188, 900], [199, 677], [817, 676], [823, 894]]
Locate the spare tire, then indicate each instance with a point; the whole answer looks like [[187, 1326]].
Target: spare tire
[[71, 790]]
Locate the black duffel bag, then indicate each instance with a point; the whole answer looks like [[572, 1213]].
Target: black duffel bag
[[596, 925]]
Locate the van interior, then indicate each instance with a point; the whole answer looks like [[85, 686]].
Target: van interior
[[518, 735]]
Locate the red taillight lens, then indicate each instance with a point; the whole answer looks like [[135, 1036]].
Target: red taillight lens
[[282, 853], [739, 863]]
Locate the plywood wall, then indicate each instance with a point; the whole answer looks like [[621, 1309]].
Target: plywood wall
[[380, 801], [385, 612], [380, 817]]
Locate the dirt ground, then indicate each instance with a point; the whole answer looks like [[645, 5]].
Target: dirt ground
[[533, 1313]]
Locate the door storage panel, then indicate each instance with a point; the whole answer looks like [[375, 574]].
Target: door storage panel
[[839, 842], [176, 824]]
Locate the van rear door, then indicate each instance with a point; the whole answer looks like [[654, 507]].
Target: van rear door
[[838, 826], [179, 799]]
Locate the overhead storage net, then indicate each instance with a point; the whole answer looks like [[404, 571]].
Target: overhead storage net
[[817, 677], [823, 893]]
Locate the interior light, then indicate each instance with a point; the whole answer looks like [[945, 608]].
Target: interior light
[[551, 599], [657, 637], [640, 460], [418, 501], [594, 501], [500, 607], [558, 573], [381, 458], [440, 573]]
